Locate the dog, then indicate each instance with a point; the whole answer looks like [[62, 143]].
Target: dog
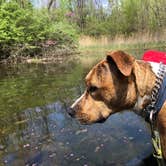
[[117, 83]]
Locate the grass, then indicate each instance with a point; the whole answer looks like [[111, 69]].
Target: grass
[[92, 49]]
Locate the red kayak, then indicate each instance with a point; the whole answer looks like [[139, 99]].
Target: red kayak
[[154, 56]]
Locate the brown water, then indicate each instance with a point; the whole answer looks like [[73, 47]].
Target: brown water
[[36, 130]]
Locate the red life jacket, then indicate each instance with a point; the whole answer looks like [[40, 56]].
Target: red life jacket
[[154, 56]]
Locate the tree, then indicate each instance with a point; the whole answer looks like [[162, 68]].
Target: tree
[[51, 4]]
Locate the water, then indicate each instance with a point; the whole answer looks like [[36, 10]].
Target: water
[[36, 130]]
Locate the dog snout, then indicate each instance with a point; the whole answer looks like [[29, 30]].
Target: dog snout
[[71, 111], [75, 107]]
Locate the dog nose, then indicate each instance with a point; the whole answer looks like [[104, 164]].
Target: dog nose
[[71, 112]]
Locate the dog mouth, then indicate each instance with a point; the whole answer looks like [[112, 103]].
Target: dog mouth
[[85, 120], [102, 120]]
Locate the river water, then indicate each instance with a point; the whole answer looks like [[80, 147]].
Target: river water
[[36, 130]]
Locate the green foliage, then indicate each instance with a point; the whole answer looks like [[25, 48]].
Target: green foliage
[[28, 27], [95, 28], [123, 17], [62, 32], [9, 32]]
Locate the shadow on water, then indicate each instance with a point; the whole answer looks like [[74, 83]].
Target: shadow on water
[[36, 130]]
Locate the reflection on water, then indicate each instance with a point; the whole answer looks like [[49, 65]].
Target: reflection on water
[[36, 130], [47, 136]]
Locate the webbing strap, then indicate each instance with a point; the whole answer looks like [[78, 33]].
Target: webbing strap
[[161, 96]]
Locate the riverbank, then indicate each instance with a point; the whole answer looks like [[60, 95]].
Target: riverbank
[[29, 32], [89, 47], [44, 55]]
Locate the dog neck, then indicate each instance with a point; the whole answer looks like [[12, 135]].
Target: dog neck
[[145, 77]]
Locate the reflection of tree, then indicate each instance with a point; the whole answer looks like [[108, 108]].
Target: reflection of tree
[[31, 85], [45, 121], [39, 131]]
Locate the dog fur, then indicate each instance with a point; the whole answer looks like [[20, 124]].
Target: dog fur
[[118, 83]]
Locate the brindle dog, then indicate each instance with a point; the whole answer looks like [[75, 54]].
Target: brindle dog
[[115, 84]]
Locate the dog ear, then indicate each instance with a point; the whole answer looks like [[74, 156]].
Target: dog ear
[[123, 61]]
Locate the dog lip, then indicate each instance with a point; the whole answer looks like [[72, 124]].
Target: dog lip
[[101, 120]]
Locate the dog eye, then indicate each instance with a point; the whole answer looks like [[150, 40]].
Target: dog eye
[[92, 89]]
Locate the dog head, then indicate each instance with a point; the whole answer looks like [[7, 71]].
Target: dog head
[[110, 88]]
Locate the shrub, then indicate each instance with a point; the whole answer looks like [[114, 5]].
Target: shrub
[[27, 28]]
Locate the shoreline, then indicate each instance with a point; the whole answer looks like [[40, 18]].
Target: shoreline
[[59, 55], [47, 56]]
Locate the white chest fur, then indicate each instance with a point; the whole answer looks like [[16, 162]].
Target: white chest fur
[[155, 67]]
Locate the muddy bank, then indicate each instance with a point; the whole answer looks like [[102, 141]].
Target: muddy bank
[[43, 55]]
